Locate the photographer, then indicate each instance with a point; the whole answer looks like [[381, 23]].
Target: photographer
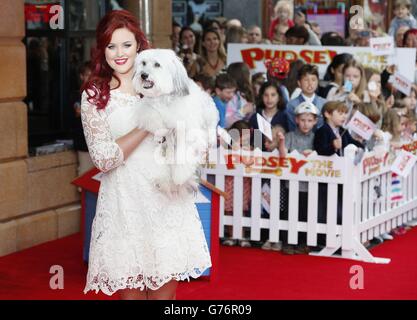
[[188, 51]]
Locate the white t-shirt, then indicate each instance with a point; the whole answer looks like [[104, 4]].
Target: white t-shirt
[[309, 99]]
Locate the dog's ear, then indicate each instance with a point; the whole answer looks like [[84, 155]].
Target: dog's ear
[[136, 75], [180, 78]]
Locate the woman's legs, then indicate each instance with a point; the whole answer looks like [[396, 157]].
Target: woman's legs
[[166, 292], [133, 294]]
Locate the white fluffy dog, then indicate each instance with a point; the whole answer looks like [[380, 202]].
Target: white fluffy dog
[[176, 110]]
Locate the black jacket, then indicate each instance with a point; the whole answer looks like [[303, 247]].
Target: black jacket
[[323, 140]]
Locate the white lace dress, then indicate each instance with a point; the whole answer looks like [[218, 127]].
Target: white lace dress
[[140, 238]]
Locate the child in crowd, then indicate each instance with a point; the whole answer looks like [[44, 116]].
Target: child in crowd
[[370, 111], [403, 17], [240, 133], [205, 82], [292, 80], [373, 93], [271, 107], [301, 139], [225, 88], [329, 139], [308, 81], [334, 75], [354, 85], [411, 126], [391, 123], [241, 106], [283, 17], [258, 80], [411, 101], [378, 139]]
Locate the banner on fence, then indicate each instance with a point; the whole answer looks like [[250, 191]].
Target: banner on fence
[[254, 55], [373, 165], [296, 165]]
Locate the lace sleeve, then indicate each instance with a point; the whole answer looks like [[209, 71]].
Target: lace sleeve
[[104, 151]]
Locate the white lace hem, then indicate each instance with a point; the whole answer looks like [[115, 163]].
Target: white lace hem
[[109, 287]]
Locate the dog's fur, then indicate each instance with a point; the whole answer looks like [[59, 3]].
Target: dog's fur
[[176, 111]]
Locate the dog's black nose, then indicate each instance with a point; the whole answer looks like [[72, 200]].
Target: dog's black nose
[[144, 76]]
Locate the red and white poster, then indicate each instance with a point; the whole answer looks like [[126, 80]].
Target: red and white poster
[[361, 125], [403, 163]]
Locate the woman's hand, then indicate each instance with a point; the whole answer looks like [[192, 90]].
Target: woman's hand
[[354, 98], [390, 101]]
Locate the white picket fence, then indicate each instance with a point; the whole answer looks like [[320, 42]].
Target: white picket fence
[[364, 213]]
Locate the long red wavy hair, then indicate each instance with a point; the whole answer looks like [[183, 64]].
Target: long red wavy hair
[[97, 86]]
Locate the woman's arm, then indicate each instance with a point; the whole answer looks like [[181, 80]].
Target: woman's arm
[[105, 152], [130, 141]]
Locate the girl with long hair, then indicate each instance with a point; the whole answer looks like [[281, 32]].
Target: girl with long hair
[[241, 106]]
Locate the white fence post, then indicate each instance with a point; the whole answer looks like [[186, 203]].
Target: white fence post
[[365, 213], [351, 197]]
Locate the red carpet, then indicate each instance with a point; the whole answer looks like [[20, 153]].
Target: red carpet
[[243, 274]]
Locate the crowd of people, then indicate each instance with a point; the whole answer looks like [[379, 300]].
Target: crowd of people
[[306, 112]]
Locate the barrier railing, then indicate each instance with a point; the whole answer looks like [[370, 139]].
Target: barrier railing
[[346, 199]]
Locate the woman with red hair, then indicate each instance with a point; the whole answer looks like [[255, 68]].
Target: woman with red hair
[[142, 242]]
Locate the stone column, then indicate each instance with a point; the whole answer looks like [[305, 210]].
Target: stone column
[[13, 118], [37, 201], [159, 19]]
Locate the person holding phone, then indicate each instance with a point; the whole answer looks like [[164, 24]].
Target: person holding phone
[[354, 84], [189, 52], [334, 75]]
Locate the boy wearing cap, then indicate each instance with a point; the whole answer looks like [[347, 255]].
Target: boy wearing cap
[[308, 81], [301, 139]]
